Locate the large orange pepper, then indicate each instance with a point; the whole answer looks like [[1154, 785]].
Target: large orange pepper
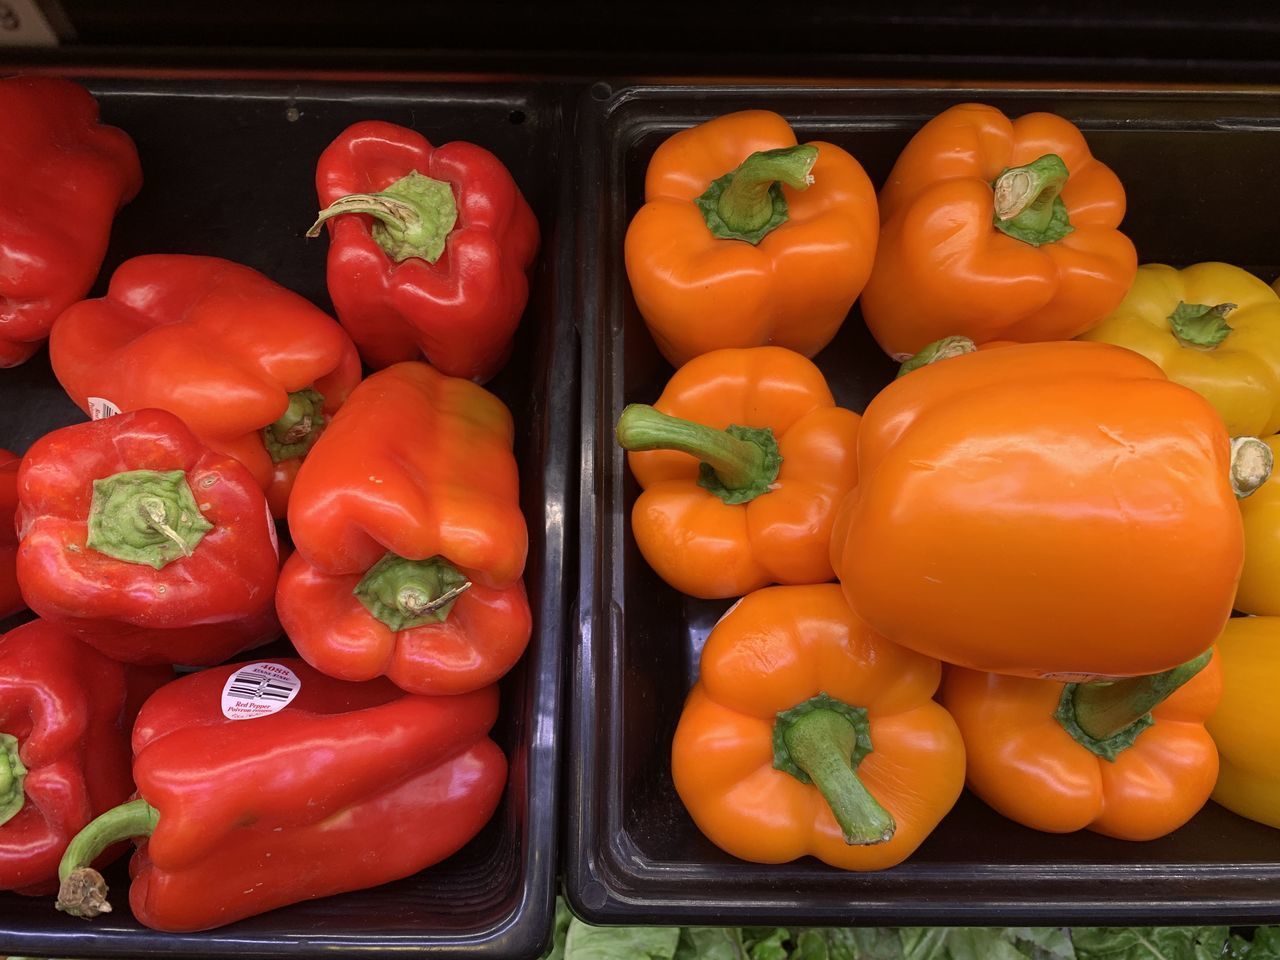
[[747, 459], [809, 734], [747, 239], [996, 230], [1130, 759], [1046, 510]]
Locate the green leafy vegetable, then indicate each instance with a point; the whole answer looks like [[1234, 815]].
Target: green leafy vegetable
[[1149, 943]]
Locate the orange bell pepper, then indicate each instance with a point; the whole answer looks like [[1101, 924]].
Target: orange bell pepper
[[1130, 759], [996, 229], [809, 734], [747, 239], [1046, 510], [777, 457]]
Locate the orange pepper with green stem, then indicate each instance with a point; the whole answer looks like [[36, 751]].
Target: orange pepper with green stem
[[1130, 759], [747, 238], [809, 734], [996, 230], [743, 460]]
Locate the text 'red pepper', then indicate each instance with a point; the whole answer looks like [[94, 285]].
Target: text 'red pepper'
[[410, 540], [996, 230], [65, 716], [1129, 759], [252, 368], [349, 785], [144, 543], [64, 176], [1026, 510], [808, 734], [747, 238], [429, 248], [744, 460]]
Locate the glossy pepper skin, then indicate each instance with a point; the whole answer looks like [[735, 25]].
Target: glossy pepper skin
[[436, 269], [348, 786], [63, 177], [10, 596], [410, 540], [782, 647], [144, 543], [944, 268], [228, 350], [1246, 726], [65, 716], [1211, 327], [1259, 590], [1028, 510], [1027, 765], [707, 280], [727, 538]]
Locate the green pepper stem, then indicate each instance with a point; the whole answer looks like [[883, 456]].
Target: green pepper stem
[[1028, 205], [413, 216], [738, 464], [83, 892], [13, 775], [822, 741], [943, 349], [747, 203], [145, 516], [1104, 709], [405, 594], [1200, 326], [1251, 464], [298, 428]]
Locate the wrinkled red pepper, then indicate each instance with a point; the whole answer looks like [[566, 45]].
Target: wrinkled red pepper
[[10, 596], [429, 248], [343, 787], [252, 368], [65, 716], [144, 543], [63, 177]]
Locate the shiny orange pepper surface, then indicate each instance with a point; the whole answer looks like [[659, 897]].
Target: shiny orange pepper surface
[[747, 239], [1149, 777], [946, 266], [800, 711], [719, 515], [1050, 509]]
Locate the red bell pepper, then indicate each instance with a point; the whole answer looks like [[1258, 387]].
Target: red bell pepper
[[63, 177], [146, 544], [10, 596], [410, 540], [343, 787], [252, 368], [429, 248], [65, 716]]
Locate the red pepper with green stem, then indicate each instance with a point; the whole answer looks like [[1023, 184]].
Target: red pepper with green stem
[[63, 177], [144, 543], [347, 786], [65, 716], [429, 248]]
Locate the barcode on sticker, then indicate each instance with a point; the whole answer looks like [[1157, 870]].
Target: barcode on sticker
[[100, 408], [259, 690]]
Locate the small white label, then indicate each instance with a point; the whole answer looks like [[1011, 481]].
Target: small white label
[[99, 408], [271, 529], [23, 25], [259, 690]]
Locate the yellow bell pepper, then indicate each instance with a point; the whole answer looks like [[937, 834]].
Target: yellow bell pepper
[[1246, 725], [1259, 589], [1211, 327]]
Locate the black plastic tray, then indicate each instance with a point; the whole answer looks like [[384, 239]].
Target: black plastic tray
[[1199, 171], [229, 171]]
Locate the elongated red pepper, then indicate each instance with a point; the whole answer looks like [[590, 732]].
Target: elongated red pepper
[[65, 716], [265, 784], [146, 544], [429, 248], [63, 177], [252, 368], [10, 596], [410, 538]]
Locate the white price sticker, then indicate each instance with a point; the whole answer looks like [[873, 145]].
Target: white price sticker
[[100, 408], [259, 690]]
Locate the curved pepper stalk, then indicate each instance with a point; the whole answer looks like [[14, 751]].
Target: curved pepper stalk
[[82, 891]]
